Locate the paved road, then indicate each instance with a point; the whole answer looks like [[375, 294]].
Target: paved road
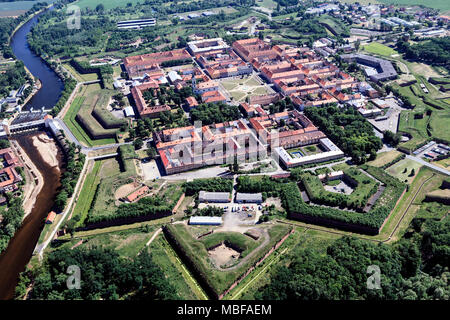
[[429, 165], [72, 138]]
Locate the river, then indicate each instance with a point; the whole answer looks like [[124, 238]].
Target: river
[[52, 85], [20, 249]]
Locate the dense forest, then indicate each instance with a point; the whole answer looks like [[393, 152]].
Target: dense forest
[[435, 51], [104, 275], [215, 113], [342, 272], [348, 129], [14, 77], [11, 219]]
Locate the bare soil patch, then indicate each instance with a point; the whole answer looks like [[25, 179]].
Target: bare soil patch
[[125, 190], [223, 255]]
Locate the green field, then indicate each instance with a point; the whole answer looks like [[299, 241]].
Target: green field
[[380, 49], [87, 193], [95, 103], [239, 89], [435, 4], [74, 125], [13, 8], [300, 240], [384, 158], [397, 170], [109, 4], [175, 271], [365, 187], [269, 4], [81, 77]]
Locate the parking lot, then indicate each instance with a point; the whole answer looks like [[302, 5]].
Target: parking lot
[[431, 150], [242, 213]]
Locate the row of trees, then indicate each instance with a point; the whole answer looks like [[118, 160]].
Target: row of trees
[[13, 78], [211, 185], [74, 166]]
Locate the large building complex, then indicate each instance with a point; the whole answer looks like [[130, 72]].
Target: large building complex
[[286, 129], [142, 107], [331, 152], [138, 66], [384, 69], [223, 63], [187, 148]]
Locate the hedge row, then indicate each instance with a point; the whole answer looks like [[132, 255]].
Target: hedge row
[[104, 72], [103, 116], [93, 128], [210, 185], [369, 223], [85, 117], [364, 189], [397, 159]]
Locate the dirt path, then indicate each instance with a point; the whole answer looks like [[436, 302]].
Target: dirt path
[[153, 237]]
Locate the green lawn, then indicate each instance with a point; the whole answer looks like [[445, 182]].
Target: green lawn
[[81, 77], [87, 193], [196, 250], [269, 4], [75, 127], [380, 49], [397, 170], [177, 274], [384, 157]]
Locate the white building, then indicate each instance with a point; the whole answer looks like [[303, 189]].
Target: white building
[[221, 197], [206, 221]]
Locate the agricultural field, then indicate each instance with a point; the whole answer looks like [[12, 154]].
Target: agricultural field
[[435, 4], [402, 170], [16, 8], [379, 49]]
